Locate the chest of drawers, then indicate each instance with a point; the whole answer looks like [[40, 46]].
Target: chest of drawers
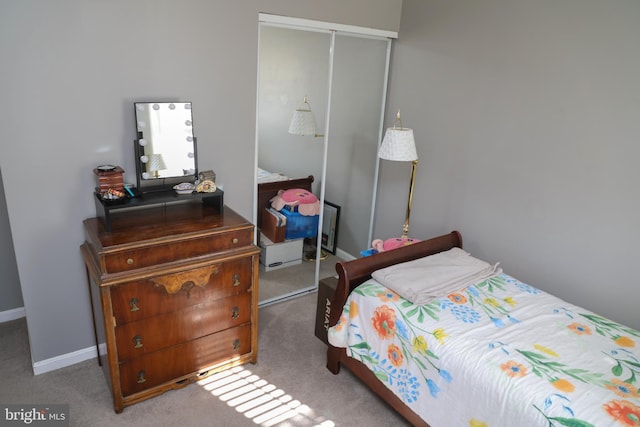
[[174, 295]]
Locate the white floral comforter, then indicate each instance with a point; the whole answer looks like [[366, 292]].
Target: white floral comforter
[[498, 353]]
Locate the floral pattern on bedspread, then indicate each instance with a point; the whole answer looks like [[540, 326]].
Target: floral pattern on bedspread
[[497, 353]]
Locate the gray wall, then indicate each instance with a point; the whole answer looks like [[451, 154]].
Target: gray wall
[[10, 293], [71, 72], [527, 120]]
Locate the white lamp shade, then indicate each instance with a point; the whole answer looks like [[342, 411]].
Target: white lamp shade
[[156, 163], [399, 145], [303, 123]]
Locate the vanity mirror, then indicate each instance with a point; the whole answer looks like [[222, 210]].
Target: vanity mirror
[[165, 156], [165, 147]]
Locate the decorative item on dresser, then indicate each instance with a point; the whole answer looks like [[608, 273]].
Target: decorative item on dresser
[[108, 177], [174, 294]]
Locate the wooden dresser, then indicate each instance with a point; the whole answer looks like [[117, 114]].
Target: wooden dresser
[[174, 294]]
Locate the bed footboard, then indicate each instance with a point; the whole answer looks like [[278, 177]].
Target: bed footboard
[[353, 273]]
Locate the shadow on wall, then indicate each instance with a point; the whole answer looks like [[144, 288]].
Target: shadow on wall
[[9, 280]]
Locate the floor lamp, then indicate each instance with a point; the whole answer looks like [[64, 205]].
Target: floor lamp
[[399, 145]]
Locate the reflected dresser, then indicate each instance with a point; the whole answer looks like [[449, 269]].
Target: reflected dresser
[[174, 293]]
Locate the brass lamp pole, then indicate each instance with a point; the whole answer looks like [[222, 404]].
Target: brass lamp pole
[[399, 145], [405, 227]]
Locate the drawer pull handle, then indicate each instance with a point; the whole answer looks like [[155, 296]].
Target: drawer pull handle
[[141, 377], [236, 345], [186, 287], [133, 303], [137, 341], [235, 312], [130, 261], [235, 240], [236, 280]]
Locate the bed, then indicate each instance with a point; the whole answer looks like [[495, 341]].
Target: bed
[[498, 352], [269, 183]]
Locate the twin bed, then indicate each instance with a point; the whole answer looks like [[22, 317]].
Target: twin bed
[[494, 352]]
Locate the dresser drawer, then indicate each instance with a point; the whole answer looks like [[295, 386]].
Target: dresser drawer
[[171, 363], [174, 251], [135, 339], [164, 294]]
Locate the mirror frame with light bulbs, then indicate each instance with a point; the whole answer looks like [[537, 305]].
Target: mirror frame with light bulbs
[[146, 140]]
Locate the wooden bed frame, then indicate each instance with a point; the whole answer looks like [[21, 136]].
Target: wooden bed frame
[[353, 273], [267, 190]]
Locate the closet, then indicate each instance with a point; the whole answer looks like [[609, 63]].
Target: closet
[[342, 72]]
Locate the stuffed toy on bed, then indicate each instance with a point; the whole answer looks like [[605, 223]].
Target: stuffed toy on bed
[[393, 243], [305, 201]]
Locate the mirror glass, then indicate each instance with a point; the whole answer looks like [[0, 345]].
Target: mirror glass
[[293, 63], [343, 77], [165, 144], [357, 99]]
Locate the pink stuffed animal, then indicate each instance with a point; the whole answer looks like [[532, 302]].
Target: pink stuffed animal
[[307, 203], [393, 243]]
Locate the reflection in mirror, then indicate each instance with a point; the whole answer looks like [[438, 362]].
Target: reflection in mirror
[[165, 145], [357, 100], [293, 63], [343, 77]]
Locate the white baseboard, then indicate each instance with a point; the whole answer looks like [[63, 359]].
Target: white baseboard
[[13, 314], [65, 360], [343, 255], [57, 362]]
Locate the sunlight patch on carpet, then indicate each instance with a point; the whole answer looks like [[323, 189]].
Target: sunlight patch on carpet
[[262, 402]]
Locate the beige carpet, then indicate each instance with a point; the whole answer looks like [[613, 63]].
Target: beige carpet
[[288, 280], [288, 387]]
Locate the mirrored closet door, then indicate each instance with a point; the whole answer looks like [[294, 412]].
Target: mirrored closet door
[[342, 77]]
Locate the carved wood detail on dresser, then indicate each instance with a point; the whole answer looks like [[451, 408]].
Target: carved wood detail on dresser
[[174, 295]]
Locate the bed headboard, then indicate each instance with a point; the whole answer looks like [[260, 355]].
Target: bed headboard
[[267, 190], [356, 272]]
